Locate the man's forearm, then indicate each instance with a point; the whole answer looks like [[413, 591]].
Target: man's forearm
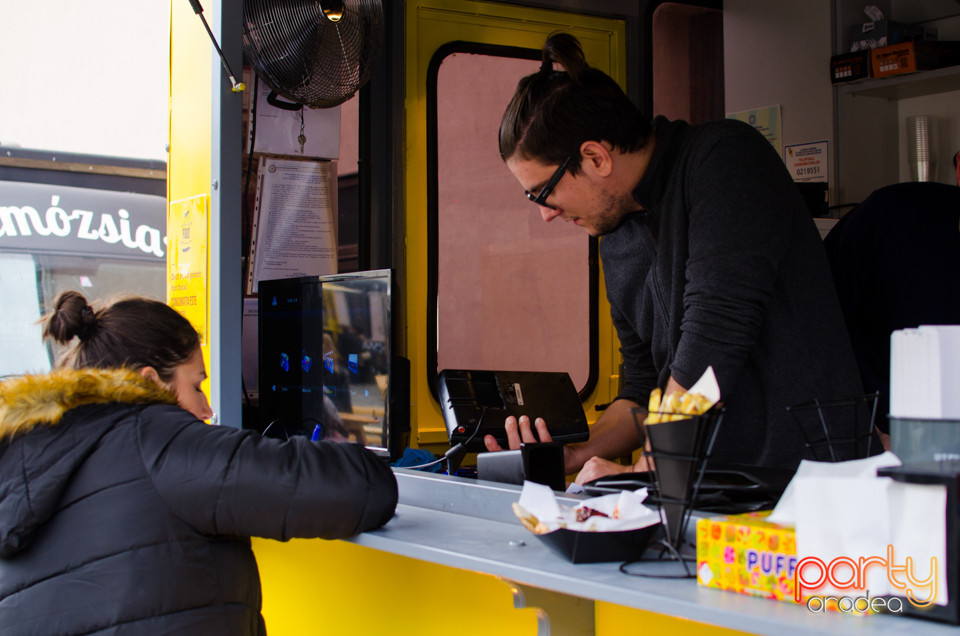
[[615, 434]]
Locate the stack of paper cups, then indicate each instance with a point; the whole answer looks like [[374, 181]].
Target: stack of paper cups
[[924, 400], [921, 148], [925, 372]]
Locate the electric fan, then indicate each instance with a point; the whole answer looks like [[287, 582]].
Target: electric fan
[[317, 53]]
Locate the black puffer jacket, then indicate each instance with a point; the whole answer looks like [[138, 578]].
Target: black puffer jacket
[[121, 513]]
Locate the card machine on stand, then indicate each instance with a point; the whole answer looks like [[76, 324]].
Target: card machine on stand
[[475, 403]]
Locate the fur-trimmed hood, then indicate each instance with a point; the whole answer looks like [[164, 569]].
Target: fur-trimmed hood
[[40, 450], [31, 400]]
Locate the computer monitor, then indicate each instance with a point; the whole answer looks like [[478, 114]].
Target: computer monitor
[[326, 359]]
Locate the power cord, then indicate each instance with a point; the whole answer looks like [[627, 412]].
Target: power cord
[[263, 433], [455, 452]]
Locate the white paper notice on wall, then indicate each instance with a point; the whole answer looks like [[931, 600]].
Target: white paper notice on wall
[[294, 226], [278, 129], [807, 162]]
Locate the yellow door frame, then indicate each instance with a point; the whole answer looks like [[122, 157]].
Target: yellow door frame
[[430, 24], [203, 193]]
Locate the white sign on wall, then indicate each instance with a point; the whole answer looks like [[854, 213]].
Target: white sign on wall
[[279, 129], [295, 216], [807, 162]]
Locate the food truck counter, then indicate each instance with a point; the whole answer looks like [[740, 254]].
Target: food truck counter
[[468, 525]]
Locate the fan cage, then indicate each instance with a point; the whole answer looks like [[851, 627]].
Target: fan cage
[[307, 58]]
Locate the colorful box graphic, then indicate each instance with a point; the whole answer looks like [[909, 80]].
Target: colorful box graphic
[[747, 554], [909, 57]]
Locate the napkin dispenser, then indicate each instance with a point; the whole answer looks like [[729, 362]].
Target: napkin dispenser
[[945, 473]]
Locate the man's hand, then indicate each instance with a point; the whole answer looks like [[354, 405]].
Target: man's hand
[[597, 467], [519, 432]]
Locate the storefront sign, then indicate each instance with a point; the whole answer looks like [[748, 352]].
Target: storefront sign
[[59, 219]]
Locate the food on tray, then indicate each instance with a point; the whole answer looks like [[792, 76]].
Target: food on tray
[[529, 521], [580, 514], [584, 512], [541, 513]]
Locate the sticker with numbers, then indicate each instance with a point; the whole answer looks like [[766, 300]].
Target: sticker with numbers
[[807, 162]]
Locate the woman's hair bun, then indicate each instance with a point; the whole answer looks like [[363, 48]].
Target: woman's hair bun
[[72, 317]]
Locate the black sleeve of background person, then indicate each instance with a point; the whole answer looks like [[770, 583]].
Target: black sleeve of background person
[[895, 260]]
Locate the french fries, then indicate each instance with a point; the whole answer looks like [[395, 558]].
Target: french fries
[[675, 406], [529, 521]]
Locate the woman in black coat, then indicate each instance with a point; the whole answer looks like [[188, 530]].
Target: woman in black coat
[[122, 512]]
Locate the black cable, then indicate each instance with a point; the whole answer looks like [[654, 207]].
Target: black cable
[[446, 457], [263, 433], [245, 208], [253, 132], [247, 214], [243, 387], [459, 449]]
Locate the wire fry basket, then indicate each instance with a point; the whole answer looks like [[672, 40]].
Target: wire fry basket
[[838, 430], [680, 450]]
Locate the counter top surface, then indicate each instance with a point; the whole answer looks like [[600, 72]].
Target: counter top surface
[[469, 525]]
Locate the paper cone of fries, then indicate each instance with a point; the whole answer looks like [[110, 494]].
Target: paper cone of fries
[[678, 430]]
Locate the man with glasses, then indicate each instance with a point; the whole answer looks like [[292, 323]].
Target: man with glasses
[[710, 258]]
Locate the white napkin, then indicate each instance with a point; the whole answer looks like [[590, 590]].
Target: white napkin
[[843, 510], [785, 512], [707, 386], [873, 12], [624, 510]]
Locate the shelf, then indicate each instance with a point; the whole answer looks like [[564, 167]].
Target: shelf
[[905, 86]]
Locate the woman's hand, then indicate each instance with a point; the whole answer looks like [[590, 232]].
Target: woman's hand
[[597, 467]]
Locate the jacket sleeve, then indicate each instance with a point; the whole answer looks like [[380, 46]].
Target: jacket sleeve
[[224, 481], [638, 375]]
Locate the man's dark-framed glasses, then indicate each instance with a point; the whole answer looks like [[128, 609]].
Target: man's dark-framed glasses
[[541, 197]]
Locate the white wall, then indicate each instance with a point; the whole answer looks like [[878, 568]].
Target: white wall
[[86, 77], [777, 52]]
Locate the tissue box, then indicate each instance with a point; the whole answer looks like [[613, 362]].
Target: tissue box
[[908, 57], [747, 554], [870, 35]]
